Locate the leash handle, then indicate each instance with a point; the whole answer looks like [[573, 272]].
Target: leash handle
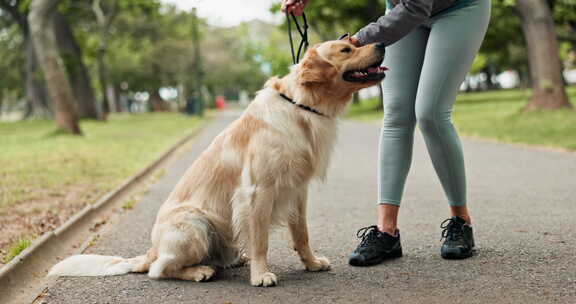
[[303, 31]]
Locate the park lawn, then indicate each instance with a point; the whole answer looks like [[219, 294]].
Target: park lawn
[[44, 179], [498, 115]]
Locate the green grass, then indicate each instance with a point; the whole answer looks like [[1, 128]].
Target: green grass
[[16, 248], [37, 166], [498, 115], [129, 204]]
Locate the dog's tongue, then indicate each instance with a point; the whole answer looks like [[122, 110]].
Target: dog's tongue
[[377, 69]]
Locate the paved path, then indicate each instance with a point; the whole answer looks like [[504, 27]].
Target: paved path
[[523, 203]]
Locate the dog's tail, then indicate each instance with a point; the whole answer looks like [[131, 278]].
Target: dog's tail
[[97, 265]]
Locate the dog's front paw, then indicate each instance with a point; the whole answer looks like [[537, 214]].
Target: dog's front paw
[[265, 279], [318, 264]]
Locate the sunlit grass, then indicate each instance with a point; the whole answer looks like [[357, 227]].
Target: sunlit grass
[[16, 248], [35, 165], [498, 115]]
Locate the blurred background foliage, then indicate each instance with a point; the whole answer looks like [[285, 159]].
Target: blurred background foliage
[[140, 55]]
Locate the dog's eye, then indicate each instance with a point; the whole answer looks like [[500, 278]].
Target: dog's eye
[[346, 50]]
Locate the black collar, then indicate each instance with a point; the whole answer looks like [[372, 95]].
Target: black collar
[[307, 108]]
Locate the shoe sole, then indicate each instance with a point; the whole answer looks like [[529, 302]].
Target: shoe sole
[[456, 255], [391, 255]]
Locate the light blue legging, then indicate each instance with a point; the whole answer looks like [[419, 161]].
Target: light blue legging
[[426, 69]]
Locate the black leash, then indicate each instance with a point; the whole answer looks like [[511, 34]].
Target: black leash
[[303, 31]]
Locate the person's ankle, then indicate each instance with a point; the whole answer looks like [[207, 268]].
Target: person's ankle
[[466, 219], [391, 230]]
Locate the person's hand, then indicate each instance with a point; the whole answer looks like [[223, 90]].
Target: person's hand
[[350, 39], [354, 41], [295, 7]]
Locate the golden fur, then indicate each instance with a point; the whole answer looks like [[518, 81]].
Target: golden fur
[[256, 174]]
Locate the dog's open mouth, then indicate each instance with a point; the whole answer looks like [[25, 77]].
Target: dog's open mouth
[[374, 72]]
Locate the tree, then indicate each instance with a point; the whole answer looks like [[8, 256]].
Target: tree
[[41, 20], [231, 61], [145, 49], [565, 20], [104, 22], [36, 95], [503, 48], [77, 72], [11, 89], [548, 90]]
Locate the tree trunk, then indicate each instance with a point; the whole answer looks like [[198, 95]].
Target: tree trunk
[[104, 22], [37, 103], [114, 103], [77, 73], [544, 61], [36, 95], [181, 96], [524, 75], [41, 20], [157, 104], [103, 80], [489, 72]]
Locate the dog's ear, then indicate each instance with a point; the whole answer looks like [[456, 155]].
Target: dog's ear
[[315, 70]]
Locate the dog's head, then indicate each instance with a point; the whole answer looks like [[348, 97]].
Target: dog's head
[[342, 66], [330, 73]]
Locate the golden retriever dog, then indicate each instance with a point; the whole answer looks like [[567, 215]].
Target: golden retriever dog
[[254, 175]]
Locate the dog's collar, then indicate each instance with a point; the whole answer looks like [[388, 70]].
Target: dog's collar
[[307, 108]]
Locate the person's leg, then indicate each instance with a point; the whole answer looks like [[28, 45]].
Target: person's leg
[[455, 39], [388, 218], [461, 212], [404, 60]]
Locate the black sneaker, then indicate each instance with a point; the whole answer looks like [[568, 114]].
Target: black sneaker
[[375, 247], [459, 241]]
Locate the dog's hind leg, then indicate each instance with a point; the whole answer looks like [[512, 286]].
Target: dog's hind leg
[[198, 273], [299, 230], [158, 269], [242, 260], [178, 248]]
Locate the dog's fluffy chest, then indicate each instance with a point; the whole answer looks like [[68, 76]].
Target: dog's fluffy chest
[[298, 141]]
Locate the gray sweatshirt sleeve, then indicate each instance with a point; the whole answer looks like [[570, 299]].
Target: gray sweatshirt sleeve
[[398, 22]]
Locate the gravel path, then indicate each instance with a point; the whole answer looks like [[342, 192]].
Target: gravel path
[[523, 203]]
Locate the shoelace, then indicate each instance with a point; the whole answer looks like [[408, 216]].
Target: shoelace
[[452, 230], [367, 234]]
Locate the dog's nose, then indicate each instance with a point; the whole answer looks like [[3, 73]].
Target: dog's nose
[[380, 47]]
